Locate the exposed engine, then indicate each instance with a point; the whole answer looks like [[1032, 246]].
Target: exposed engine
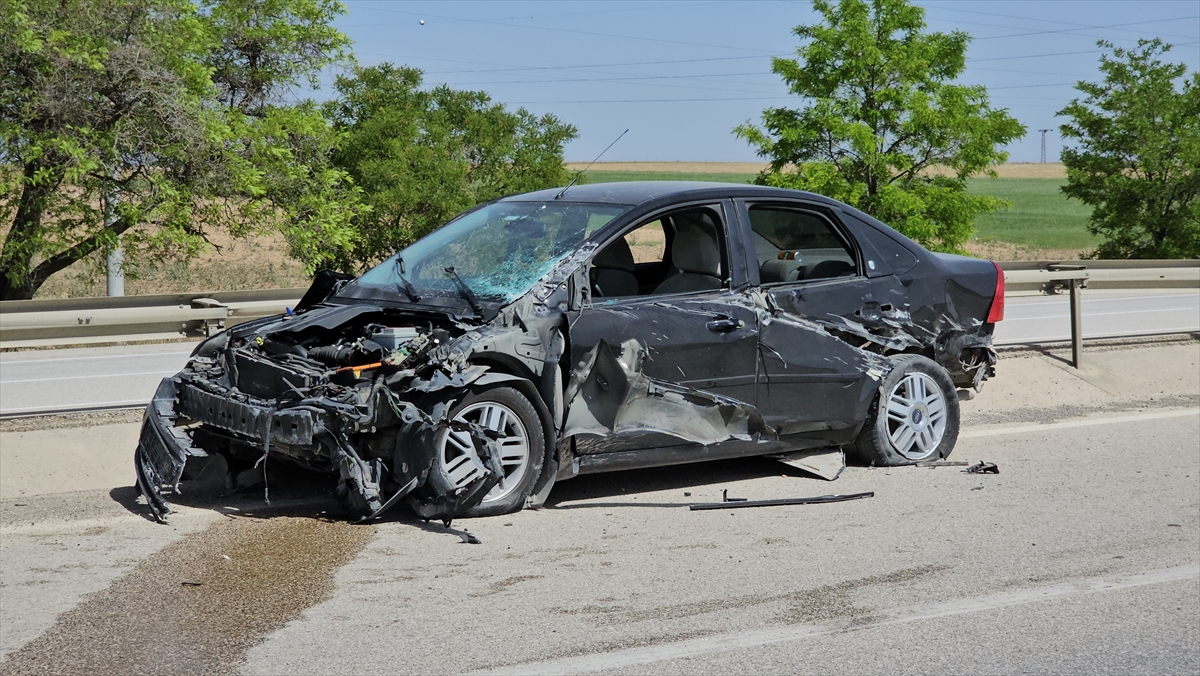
[[329, 392]]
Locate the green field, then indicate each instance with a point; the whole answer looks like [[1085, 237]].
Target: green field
[[1041, 217]]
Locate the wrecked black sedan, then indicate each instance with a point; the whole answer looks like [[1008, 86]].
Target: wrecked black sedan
[[602, 327]]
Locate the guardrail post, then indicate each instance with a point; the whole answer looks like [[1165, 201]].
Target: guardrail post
[[1075, 277], [1076, 322]]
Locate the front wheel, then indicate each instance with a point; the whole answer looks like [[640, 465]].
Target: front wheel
[[507, 413], [915, 417]]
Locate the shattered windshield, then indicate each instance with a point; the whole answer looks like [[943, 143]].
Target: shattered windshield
[[498, 252]]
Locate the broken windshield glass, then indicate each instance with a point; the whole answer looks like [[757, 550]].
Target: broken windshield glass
[[498, 251]]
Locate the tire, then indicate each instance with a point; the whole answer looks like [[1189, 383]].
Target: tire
[[523, 449], [899, 431]]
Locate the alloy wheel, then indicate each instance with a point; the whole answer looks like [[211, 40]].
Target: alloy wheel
[[916, 416], [456, 450]]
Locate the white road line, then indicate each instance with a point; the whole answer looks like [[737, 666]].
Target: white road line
[[1046, 300], [633, 657], [52, 411], [1089, 315], [1087, 422], [101, 356], [1066, 338], [99, 375]]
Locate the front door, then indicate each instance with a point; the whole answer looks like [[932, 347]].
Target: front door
[[691, 328]]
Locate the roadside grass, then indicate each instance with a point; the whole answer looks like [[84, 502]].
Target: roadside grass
[[1041, 217], [239, 265]]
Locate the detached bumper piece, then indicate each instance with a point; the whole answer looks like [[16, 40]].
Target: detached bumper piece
[[289, 426], [162, 451], [163, 448]]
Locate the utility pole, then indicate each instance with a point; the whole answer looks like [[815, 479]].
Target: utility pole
[[1043, 144], [116, 257]]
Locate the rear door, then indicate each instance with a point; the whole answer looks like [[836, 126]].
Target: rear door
[[814, 381]]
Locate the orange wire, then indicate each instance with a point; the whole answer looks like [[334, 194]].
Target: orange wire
[[359, 369]]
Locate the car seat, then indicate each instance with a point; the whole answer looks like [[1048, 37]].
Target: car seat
[[695, 255], [612, 271]]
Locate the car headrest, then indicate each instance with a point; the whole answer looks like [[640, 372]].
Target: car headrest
[[695, 250], [830, 268], [615, 256], [780, 270], [698, 219]]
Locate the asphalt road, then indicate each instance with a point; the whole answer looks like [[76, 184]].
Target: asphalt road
[[1081, 556], [45, 380], [1039, 319], [113, 376]]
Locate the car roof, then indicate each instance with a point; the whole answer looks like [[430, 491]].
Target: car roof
[[633, 193]]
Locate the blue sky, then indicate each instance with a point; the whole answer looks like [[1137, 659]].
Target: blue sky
[[680, 74]]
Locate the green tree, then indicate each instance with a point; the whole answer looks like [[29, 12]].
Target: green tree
[[422, 155], [881, 126], [1137, 162], [175, 109]]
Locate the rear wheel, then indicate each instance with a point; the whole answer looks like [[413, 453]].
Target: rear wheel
[[507, 413], [915, 417]]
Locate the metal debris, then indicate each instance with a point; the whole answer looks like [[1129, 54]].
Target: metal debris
[[824, 463], [782, 501], [983, 468]]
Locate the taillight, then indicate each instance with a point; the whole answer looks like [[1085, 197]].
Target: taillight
[[997, 312]]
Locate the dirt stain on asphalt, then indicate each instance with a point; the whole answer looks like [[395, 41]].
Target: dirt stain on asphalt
[[836, 602], [198, 605], [830, 602], [501, 585]]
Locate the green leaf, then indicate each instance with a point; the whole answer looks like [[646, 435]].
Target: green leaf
[[880, 124], [1136, 158]]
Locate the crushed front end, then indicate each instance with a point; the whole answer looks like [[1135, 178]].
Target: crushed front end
[[355, 391]]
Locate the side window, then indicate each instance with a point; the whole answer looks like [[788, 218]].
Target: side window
[[795, 245], [648, 243], [679, 252]]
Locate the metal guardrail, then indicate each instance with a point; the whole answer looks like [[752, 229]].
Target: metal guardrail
[[1051, 276], [83, 321]]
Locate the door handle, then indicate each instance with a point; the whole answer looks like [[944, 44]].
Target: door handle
[[724, 324]]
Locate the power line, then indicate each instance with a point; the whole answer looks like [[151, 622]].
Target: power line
[[1032, 56], [705, 99], [622, 78], [613, 65], [1032, 86], [1072, 30], [570, 30], [1080, 26]]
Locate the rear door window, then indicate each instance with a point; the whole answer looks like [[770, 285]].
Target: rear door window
[[794, 245]]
